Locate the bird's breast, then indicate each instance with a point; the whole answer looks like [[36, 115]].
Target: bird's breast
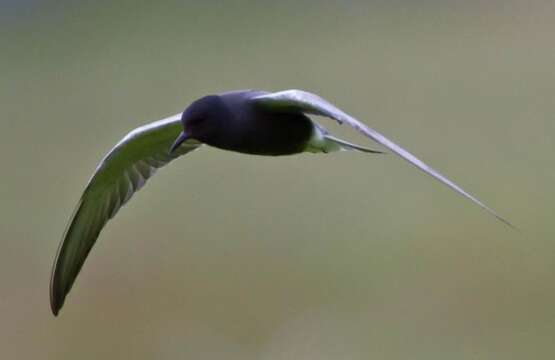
[[254, 131]]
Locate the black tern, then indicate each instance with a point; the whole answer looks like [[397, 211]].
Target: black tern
[[245, 121]]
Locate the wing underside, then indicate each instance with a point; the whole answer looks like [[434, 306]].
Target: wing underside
[[122, 172]]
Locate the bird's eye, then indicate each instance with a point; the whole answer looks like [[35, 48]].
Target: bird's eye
[[195, 121]]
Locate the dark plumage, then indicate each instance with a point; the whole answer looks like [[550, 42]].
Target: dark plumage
[[231, 121], [247, 121]]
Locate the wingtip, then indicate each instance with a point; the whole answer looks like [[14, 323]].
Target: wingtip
[[55, 303], [494, 213], [506, 222], [55, 306], [57, 294]]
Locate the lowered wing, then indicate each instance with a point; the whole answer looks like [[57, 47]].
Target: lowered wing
[[122, 172]]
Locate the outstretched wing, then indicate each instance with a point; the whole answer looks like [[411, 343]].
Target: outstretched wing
[[122, 172], [298, 100]]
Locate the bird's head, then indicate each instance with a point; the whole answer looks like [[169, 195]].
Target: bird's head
[[201, 120]]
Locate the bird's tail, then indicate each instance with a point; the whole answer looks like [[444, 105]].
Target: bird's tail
[[322, 141], [347, 146]]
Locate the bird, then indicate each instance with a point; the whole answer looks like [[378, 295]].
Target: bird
[[245, 121]]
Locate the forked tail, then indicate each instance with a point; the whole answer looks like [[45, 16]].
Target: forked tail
[[345, 145]]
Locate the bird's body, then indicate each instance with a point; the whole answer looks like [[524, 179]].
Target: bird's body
[[244, 127], [246, 121]]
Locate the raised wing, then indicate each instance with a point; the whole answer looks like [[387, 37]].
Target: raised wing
[[298, 100], [122, 172]]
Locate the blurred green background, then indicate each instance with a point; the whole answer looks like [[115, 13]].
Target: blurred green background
[[226, 256]]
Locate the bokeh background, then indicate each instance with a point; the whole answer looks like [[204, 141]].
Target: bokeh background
[[226, 256]]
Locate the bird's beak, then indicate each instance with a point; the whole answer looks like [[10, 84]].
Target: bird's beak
[[180, 139]]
